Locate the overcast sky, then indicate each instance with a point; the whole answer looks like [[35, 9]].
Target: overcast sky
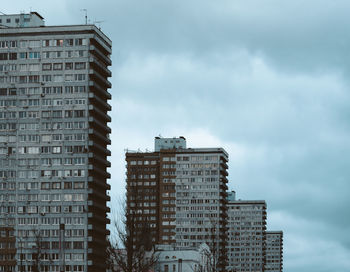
[[266, 80]]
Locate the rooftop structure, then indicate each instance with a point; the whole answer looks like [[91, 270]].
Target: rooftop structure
[[32, 19]]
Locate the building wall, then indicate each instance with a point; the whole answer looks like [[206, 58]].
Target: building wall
[[7, 249], [190, 188], [53, 144], [274, 251], [246, 235], [32, 19]]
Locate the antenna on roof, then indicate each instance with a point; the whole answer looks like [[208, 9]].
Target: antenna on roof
[[85, 10], [2, 13]]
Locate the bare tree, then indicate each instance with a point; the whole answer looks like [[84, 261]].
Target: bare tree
[[38, 250], [217, 254], [131, 248]]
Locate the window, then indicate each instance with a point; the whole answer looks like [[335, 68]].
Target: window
[[57, 66], [34, 43], [34, 55], [46, 78], [69, 66], [79, 77], [69, 42], [79, 65], [56, 149], [46, 66], [79, 42]]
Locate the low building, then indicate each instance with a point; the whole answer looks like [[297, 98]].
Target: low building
[[172, 259]]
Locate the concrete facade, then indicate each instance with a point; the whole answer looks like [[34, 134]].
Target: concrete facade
[[53, 143], [181, 192], [172, 259], [274, 251], [246, 235]]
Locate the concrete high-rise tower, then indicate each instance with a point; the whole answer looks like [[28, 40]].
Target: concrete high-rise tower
[[180, 194], [53, 144]]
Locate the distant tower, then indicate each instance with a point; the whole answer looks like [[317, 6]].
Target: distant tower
[[274, 251], [179, 195], [246, 235]]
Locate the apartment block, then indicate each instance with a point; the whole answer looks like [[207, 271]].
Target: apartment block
[[180, 194], [274, 251], [246, 235], [54, 135]]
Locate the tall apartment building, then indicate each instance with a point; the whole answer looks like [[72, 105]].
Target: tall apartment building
[[246, 235], [53, 143], [180, 193], [274, 251]]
